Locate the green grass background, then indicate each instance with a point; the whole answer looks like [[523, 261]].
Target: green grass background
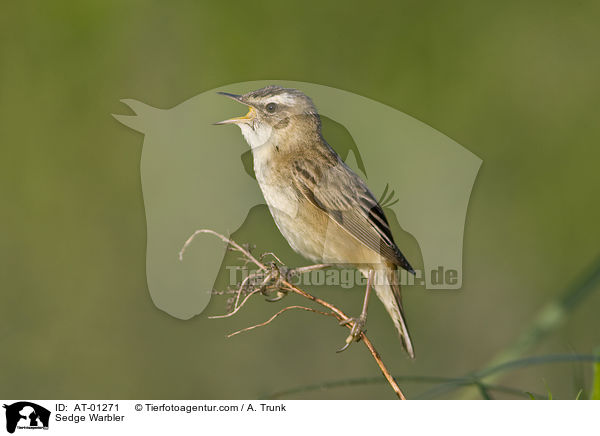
[[514, 82]]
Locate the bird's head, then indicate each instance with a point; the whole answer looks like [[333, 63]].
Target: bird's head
[[274, 112]]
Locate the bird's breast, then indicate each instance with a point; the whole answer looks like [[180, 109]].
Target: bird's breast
[[286, 207], [277, 191], [307, 229]]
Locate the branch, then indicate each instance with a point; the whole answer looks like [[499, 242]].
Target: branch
[[276, 315], [280, 279]]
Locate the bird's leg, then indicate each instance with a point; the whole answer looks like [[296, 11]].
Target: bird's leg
[[358, 324], [277, 274], [309, 268]]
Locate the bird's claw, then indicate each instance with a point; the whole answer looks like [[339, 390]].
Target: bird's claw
[[358, 328], [276, 276], [279, 295]]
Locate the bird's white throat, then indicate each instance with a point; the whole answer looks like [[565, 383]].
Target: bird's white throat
[[256, 135]]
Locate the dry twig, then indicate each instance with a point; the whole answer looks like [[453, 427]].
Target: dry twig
[[280, 276], [276, 315]]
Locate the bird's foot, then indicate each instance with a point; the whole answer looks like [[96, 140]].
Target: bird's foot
[[358, 328], [273, 282]]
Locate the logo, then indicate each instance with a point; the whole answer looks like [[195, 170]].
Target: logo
[[26, 415]]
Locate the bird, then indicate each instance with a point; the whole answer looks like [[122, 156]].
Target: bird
[[323, 209]]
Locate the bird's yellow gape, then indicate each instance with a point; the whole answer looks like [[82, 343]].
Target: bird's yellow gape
[[248, 117]]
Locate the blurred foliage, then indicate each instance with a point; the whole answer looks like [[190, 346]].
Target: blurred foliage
[[514, 82], [596, 386], [445, 384]]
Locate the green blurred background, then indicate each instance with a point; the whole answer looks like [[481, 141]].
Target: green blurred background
[[514, 82]]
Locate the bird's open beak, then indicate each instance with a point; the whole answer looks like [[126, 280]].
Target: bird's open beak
[[237, 120]]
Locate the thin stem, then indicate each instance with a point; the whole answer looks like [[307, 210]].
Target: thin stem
[[224, 239], [405, 378], [236, 310], [341, 316], [285, 309], [286, 285], [548, 319]]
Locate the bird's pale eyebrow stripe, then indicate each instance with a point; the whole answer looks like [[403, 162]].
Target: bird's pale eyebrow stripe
[[281, 99]]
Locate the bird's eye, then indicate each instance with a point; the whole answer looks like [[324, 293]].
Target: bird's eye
[[271, 107]]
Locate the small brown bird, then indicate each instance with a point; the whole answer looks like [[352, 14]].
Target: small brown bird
[[324, 210]]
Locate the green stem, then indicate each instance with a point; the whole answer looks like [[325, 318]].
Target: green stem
[[466, 381], [549, 318]]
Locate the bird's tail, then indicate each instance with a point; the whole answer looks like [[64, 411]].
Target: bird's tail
[[387, 288]]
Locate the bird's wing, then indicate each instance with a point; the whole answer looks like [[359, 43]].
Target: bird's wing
[[345, 197]]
